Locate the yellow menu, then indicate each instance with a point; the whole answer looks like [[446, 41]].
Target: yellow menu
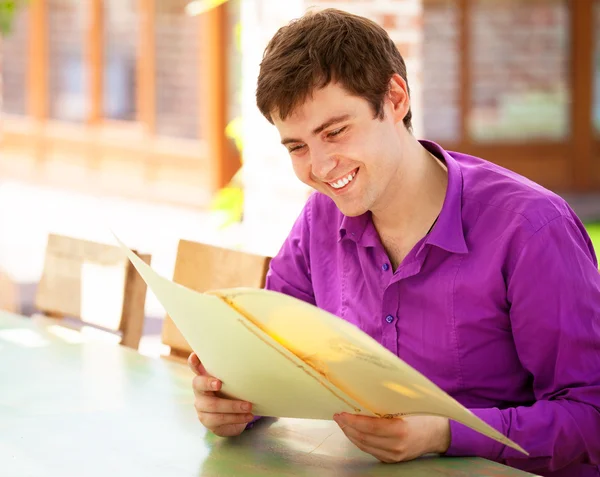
[[292, 359]]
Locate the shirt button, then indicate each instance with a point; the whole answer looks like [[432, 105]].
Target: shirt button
[[385, 267], [389, 318]]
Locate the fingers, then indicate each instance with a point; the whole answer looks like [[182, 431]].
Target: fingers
[[368, 440], [215, 405], [224, 417], [215, 422], [195, 364], [385, 449], [375, 426], [229, 430], [384, 456], [385, 439], [204, 383]]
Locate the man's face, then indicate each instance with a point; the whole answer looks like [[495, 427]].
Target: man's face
[[340, 148]]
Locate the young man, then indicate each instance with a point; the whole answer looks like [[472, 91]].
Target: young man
[[480, 279]]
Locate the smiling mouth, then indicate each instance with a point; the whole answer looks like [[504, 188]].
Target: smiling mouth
[[343, 182]]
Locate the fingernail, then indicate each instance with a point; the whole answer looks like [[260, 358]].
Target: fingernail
[[246, 406], [214, 384]]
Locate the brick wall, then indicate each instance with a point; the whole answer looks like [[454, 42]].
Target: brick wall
[[441, 70], [520, 70]]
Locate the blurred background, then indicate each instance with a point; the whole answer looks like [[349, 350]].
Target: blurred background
[[139, 115]]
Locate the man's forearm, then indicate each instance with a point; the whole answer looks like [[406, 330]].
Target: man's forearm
[[554, 433]]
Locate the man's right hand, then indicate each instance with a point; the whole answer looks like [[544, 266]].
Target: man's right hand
[[224, 417]]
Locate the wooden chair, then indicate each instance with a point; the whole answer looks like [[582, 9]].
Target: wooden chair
[[203, 267], [9, 293], [89, 283]]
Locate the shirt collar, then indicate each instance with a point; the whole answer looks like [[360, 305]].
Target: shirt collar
[[447, 233]]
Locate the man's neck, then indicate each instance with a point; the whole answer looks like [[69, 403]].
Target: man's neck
[[415, 199]]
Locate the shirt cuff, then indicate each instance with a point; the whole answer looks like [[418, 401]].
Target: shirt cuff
[[464, 441]]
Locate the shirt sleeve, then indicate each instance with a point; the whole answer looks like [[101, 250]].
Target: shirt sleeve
[[289, 270], [554, 297]]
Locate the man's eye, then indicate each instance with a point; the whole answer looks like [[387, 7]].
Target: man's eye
[[295, 148], [335, 132]]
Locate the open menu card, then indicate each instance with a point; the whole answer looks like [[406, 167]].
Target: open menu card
[[292, 359]]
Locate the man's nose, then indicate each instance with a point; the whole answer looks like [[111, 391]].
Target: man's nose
[[322, 163]]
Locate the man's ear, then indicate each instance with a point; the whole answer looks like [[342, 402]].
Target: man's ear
[[399, 97]]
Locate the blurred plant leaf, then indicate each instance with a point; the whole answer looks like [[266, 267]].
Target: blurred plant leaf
[[228, 204], [198, 7], [234, 132], [8, 9]]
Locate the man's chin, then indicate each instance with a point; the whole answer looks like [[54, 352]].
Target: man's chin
[[350, 210], [348, 207]]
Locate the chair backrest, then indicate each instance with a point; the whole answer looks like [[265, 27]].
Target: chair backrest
[[9, 293], [203, 267], [93, 283]]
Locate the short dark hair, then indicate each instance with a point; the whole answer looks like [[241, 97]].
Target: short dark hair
[[324, 46]]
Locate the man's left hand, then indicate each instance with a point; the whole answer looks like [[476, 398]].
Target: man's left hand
[[397, 439]]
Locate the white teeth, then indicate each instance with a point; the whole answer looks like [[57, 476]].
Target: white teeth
[[343, 182]]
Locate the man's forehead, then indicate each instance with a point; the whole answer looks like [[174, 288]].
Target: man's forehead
[[313, 118], [312, 122], [331, 99]]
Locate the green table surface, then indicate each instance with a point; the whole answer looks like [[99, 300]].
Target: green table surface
[[70, 409]]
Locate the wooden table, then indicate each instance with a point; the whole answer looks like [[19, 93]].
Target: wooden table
[[95, 409]]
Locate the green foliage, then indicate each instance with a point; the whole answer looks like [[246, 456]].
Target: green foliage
[[594, 231], [8, 9]]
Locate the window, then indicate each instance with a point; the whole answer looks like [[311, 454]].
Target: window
[[68, 74], [519, 70], [177, 40], [121, 23], [14, 66]]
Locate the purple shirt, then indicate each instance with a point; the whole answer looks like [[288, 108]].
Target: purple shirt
[[499, 305]]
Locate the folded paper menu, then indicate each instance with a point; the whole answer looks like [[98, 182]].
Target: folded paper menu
[[292, 359]]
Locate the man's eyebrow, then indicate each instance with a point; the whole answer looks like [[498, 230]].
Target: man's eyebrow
[[317, 130]]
